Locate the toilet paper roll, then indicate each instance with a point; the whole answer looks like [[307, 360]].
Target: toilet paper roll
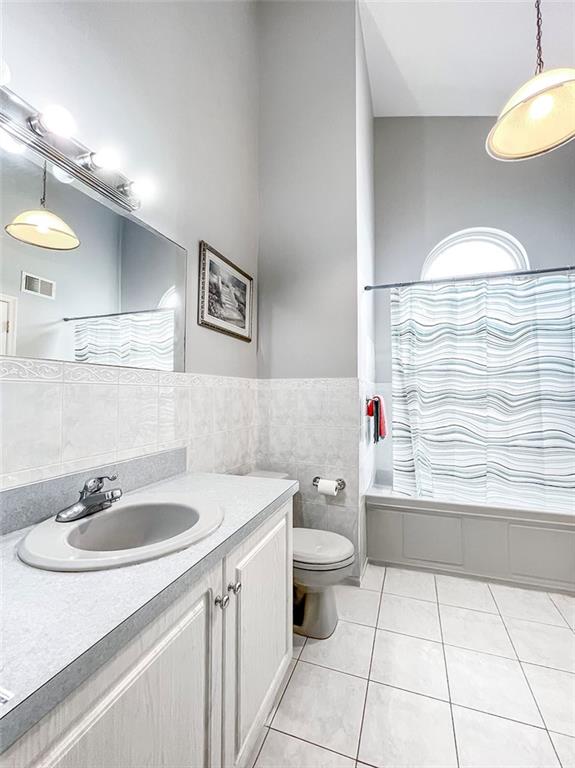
[[327, 487]]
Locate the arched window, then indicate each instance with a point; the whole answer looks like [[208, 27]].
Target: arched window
[[475, 251], [170, 299]]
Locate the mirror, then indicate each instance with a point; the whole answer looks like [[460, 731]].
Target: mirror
[[117, 298]]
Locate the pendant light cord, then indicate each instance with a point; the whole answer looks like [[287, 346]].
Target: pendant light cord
[[540, 62], [43, 198]]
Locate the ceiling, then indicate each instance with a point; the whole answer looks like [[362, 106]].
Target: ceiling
[[458, 57]]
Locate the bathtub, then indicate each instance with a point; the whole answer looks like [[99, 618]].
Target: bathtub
[[522, 546]]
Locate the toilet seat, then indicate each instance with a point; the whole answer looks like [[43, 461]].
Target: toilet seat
[[315, 550]]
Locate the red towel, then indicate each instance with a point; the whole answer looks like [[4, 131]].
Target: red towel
[[382, 426]]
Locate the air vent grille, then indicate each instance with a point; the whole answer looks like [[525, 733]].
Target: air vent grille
[[40, 286]]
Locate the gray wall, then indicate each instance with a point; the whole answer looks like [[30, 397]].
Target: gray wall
[[174, 86], [307, 256], [365, 212], [434, 177]]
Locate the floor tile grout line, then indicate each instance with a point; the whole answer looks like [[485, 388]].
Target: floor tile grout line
[[313, 743], [452, 704], [438, 642], [497, 612], [571, 626], [559, 611], [562, 733], [460, 607], [507, 658], [525, 677], [334, 669], [275, 711], [409, 597], [265, 738], [369, 670], [477, 650], [446, 671], [465, 706]]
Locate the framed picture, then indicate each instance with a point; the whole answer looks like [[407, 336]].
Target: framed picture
[[224, 295]]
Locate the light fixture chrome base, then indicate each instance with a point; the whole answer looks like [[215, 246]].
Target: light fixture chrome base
[[21, 121]]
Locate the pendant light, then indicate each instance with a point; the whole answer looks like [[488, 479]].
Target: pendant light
[[42, 227], [540, 116]]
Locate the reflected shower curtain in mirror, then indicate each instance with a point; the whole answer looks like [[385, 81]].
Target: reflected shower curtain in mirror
[[140, 340], [484, 391]]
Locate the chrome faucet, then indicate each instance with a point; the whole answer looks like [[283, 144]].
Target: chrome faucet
[[92, 499]]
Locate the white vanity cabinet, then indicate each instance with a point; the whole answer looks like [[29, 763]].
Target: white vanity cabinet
[[193, 689], [258, 632]]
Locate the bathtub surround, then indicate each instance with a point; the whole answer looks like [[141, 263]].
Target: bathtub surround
[[508, 543]]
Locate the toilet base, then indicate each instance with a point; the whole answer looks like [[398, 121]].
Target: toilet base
[[314, 611]]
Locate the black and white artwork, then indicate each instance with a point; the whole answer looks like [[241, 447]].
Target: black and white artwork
[[225, 295]]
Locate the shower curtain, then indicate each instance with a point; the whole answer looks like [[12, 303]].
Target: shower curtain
[[484, 391], [140, 340]]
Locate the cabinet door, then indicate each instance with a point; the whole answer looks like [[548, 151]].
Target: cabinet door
[[258, 632], [163, 709]]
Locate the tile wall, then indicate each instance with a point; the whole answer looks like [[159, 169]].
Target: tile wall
[[58, 418], [310, 427]]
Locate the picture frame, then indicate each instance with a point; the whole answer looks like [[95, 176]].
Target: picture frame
[[225, 295]]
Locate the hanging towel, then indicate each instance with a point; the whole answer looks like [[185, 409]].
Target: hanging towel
[[376, 410]]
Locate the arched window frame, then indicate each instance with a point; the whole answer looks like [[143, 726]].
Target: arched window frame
[[474, 234], [170, 299]]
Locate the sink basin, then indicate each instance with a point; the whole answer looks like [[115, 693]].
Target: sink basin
[[140, 527]]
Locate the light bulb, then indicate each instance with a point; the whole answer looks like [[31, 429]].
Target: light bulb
[[541, 107], [144, 188], [107, 159], [63, 176], [41, 221], [5, 74], [9, 144], [57, 120]]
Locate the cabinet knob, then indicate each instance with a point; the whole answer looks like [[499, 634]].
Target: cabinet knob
[[222, 602], [235, 588]]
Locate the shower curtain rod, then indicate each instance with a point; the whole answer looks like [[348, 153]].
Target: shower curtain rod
[[469, 278], [116, 314]]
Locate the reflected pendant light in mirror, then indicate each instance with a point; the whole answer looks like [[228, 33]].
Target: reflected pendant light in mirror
[[42, 227], [540, 116]]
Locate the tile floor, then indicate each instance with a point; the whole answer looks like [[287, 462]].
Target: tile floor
[[431, 671]]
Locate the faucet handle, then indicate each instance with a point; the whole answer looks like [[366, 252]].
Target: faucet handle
[[95, 484]]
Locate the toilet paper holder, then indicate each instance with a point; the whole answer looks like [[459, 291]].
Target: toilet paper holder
[[339, 481]]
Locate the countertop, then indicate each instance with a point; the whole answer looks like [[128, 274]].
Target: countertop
[[57, 628]]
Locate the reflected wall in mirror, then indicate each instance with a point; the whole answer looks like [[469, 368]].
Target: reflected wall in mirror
[[116, 299]]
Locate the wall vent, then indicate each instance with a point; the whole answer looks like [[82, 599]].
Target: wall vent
[[40, 286]]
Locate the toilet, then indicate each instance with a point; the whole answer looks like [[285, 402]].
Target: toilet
[[321, 559]]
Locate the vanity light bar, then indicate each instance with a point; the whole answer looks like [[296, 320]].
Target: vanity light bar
[[20, 120]]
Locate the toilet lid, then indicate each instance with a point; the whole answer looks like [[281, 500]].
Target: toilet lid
[[320, 547]]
